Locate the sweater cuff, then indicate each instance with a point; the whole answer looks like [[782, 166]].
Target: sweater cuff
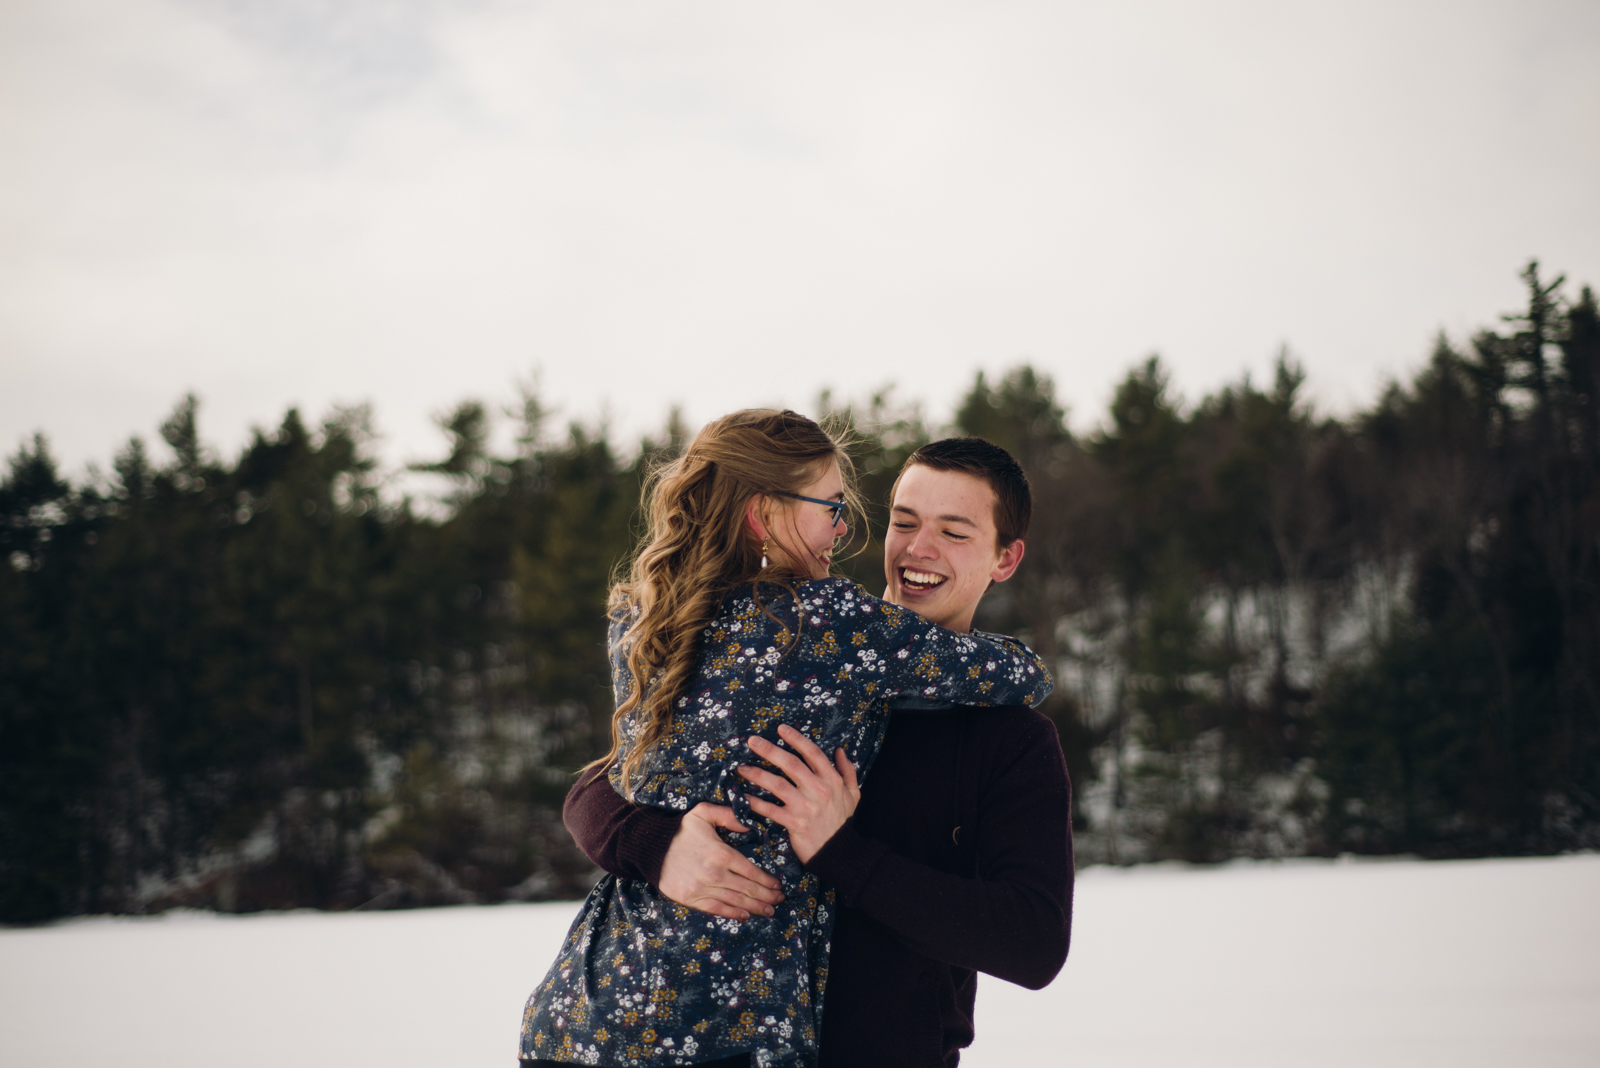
[[846, 861], [643, 841]]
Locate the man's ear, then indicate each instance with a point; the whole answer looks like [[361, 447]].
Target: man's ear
[[752, 516], [1010, 557]]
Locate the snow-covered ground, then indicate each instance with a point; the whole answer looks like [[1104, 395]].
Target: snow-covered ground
[[1367, 964]]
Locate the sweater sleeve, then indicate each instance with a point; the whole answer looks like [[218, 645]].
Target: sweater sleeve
[[896, 652], [626, 840], [1013, 920]]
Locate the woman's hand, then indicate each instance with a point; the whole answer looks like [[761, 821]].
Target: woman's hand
[[817, 796], [703, 872]]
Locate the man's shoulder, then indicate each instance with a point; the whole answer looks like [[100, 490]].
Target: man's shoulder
[[1018, 719], [1009, 730], [999, 738], [989, 719], [1016, 752]]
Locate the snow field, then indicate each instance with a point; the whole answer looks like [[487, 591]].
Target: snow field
[[1370, 964], [1317, 965]]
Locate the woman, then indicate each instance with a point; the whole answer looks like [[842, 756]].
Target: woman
[[730, 626]]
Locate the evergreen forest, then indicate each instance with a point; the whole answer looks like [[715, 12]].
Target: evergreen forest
[[269, 682]]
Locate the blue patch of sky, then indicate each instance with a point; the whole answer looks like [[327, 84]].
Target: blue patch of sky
[[623, 103], [350, 55]]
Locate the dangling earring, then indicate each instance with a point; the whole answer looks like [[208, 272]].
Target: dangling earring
[[763, 554]]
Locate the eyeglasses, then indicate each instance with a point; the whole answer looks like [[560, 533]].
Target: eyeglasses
[[836, 507]]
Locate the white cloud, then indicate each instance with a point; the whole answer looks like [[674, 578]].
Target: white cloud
[[725, 204]]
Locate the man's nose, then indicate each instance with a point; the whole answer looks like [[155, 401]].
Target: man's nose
[[923, 546]]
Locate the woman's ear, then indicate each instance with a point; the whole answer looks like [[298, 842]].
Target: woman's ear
[[752, 516]]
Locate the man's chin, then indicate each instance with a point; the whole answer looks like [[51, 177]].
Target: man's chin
[[932, 605]]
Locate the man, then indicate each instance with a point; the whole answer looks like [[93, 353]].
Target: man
[[958, 856]]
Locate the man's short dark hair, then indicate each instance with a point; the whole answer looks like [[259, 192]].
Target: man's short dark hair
[[1013, 497]]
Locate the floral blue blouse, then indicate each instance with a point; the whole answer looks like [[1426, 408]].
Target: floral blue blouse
[[642, 980]]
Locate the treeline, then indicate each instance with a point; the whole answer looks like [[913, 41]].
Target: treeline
[[263, 684], [257, 685]]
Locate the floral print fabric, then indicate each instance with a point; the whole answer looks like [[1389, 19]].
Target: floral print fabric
[[641, 980]]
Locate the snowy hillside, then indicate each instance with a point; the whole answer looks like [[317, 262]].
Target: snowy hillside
[[1370, 964]]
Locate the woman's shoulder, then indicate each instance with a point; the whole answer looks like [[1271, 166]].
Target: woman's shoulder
[[840, 599], [755, 607], [829, 597], [833, 588], [807, 590], [619, 620], [837, 595]]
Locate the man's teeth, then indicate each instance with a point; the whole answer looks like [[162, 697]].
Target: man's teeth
[[920, 578]]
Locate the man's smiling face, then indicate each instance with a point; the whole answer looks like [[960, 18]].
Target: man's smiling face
[[939, 554]]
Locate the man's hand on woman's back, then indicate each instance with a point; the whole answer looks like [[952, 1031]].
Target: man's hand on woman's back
[[704, 872], [818, 796]]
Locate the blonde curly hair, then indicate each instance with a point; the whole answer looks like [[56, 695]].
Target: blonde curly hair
[[697, 546]]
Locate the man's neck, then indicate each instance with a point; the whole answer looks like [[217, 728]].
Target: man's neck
[[960, 626]]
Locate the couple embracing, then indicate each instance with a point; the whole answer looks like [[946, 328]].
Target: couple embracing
[[753, 882]]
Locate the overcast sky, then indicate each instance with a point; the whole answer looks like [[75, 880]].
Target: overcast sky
[[720, 204]]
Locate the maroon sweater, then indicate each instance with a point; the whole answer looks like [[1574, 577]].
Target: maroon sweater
[[958, 860]]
